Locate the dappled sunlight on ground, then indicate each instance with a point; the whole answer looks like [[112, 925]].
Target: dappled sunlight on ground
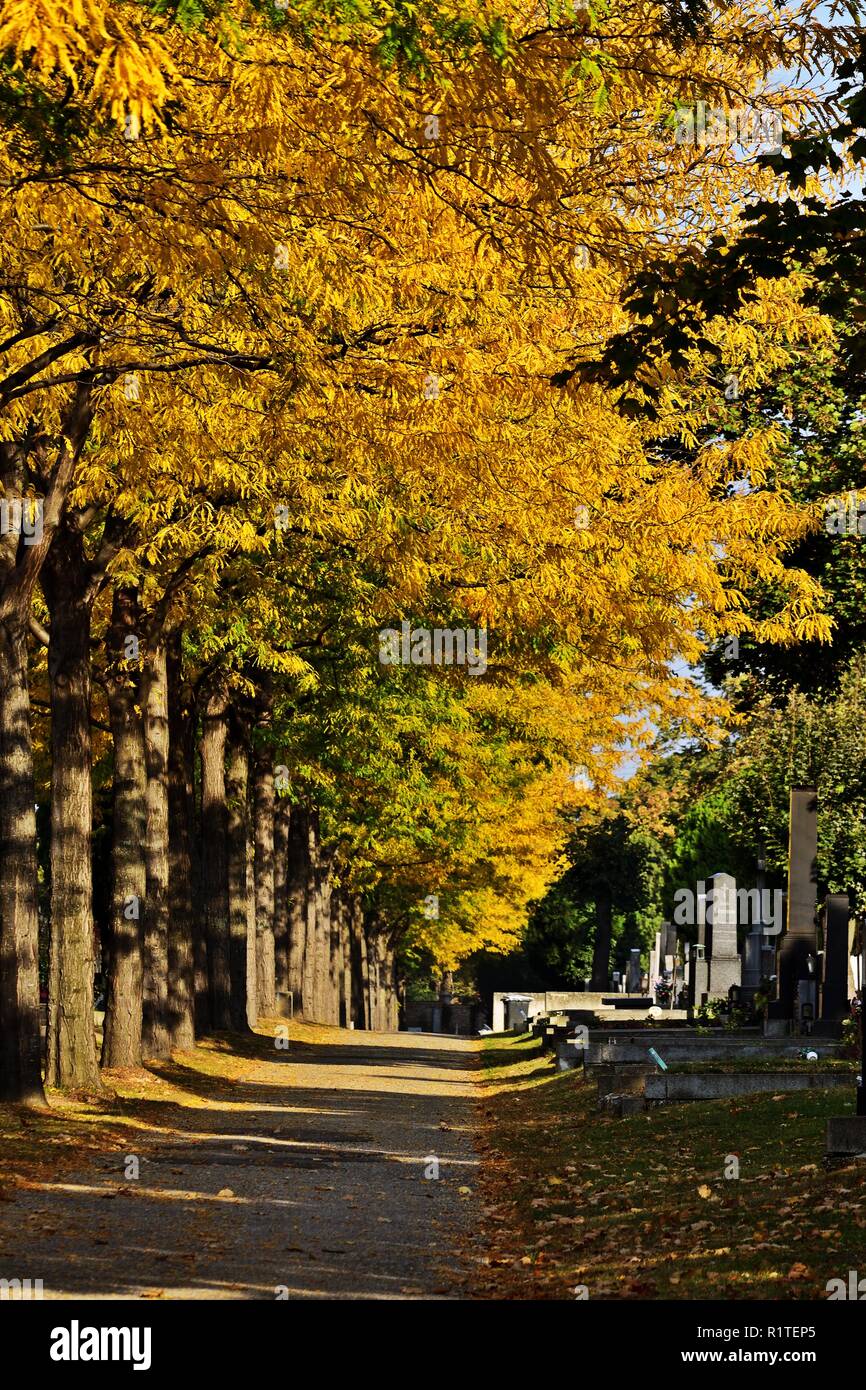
[[313, 1171]]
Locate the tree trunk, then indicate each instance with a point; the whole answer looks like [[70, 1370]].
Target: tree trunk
[[360, 966], [327, 1005], [121, 1042], [310, 985], [20, 565], [296, 904], [345, 961], [373, 980], [72, 1061], [20, 1034], [181, 812], [251, 957], [281, 903], [237, 772], [214, 862], [317, 983], [335, 950], [263, 822], [156, 1040], [393, 991], [601, 947]]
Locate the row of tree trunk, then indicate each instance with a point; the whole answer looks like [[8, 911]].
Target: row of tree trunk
[[242, 913], [225, 906], [340, 965]]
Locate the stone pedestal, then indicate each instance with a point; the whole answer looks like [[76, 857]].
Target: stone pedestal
[[846, 1136]]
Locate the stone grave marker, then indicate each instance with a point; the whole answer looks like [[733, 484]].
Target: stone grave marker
[[800, 939], [837, 951]]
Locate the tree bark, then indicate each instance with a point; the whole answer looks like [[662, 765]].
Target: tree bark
[[311, 969], [20, 1034], [360, 966], [181, 877], [296, 904], [121, 1042], [601, 946], [327, 1001], [263, 824], [373, 975], [393, 988], [20, 565], [340, 909], [237, 774], [72, 1061], [251, 955], [156, 1040], [335, 948], [214, 862], [281, 903]]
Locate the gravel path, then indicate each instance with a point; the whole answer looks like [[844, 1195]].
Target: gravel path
[[309, 1175]]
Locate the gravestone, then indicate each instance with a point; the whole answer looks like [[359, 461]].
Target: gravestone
[[800, 939], [752, 960], [668, 950], [714, 964], [695, 974], [725, 968], [670, 963], [655, 962], [837, 950], [669, 938], [634, 972], [705, 928]]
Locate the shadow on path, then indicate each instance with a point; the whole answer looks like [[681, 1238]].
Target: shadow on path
[[313, 1173]]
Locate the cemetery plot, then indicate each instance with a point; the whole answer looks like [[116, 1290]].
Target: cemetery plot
[[727, 1198]]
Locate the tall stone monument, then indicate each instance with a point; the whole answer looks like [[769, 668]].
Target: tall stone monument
[[800, 941], [838, 936]]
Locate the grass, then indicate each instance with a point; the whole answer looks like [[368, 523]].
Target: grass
[[745, 1065], [641, 1208]]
